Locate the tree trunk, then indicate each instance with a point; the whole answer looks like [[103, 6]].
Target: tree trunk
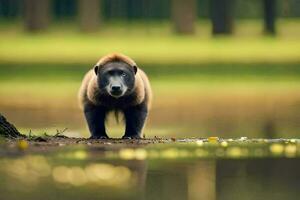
[[89, 15], [36, 15], [184, 15], [222, 16], [8, 130], [269, 16]]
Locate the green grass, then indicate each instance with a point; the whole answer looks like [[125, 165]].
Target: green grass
[[219, 71], [58, 89], [151, 44]]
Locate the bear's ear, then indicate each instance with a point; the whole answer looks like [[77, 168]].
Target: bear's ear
[[96, 68], [135, 69]]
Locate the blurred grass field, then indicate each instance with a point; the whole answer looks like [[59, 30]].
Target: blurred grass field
[[151, 43]]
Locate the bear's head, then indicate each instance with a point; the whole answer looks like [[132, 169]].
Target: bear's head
[[116, 78]]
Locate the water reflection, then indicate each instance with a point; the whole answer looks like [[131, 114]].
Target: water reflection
[[225, 179], [203, 170], [102, 174], [28, 169], [36, 177]]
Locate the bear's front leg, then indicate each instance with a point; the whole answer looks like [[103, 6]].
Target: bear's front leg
[[135, 118], [95, 117]]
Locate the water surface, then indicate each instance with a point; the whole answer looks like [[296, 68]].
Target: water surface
[[182, 170]]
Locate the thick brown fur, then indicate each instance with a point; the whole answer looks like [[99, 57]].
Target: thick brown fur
[[89, 91]]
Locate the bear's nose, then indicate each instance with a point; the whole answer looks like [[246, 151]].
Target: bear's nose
[[116, 88]]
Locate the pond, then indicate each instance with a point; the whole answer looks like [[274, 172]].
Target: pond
[[182, 169]]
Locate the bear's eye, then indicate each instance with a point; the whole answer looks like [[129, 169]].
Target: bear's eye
[[123, 74]]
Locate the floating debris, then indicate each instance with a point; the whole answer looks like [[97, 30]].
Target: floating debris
[[293, 140], [199, 142], [234, 152], [277, 149], [213, 139], [290, 150], [224, 144], [22, 145], [243, 138]]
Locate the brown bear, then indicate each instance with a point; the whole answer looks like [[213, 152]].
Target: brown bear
[[115, 84]]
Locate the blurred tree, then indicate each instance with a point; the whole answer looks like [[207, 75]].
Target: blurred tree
[[184, 15], [9, 8], [222, 16], [89, 15], [269, 16], [64, 9], [36, 14]]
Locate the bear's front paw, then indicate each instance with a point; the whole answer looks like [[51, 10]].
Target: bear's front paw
[[131, 137], [101, 137]]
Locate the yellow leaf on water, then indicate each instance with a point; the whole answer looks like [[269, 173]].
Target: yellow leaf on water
[[22, 144], [213, 139], [276, 149]]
